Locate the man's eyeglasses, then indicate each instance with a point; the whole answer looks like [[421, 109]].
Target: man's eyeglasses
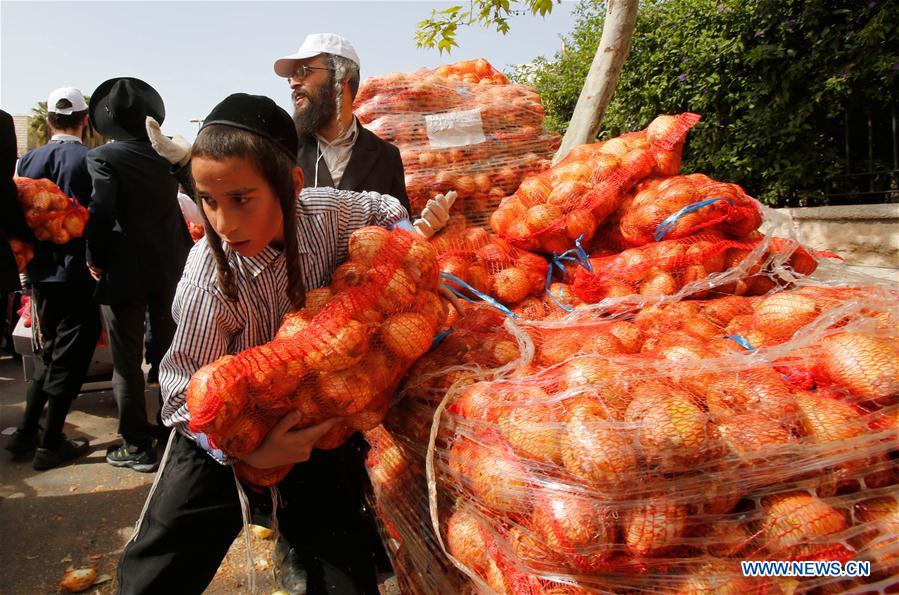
[[303, 71]]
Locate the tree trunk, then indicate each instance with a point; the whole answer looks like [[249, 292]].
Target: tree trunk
[[614, 46]]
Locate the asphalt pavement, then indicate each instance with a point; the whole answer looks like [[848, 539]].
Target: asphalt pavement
[[81, 514]]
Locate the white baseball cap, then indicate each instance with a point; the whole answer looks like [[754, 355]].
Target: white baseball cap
[[72, 95], [313, 45]]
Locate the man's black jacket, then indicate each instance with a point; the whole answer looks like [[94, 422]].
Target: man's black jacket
[[374, 166], [136, 233]]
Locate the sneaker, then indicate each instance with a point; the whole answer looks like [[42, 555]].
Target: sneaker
[[22, 442], [128, 455], [48, 458]]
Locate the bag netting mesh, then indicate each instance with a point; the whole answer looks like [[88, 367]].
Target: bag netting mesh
[[340, 356], [552, 209], [51, 215], [461, 127]]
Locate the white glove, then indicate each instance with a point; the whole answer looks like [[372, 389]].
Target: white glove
[[435, 215], [175, 150]]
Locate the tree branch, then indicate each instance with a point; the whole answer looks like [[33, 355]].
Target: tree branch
[[599, 86]]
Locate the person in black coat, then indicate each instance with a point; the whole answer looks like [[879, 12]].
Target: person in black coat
[[62, 290], [335, 149], [137, 244], [12, 225], [12, 220]]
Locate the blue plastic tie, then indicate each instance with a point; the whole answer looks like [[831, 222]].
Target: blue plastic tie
[[576, 254], [741, 342], [483, 296], [669, 222], [441, 336]]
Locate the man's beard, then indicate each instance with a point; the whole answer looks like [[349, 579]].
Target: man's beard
[[319, 109]]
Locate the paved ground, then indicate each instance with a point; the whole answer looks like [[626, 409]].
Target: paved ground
[[82, 514]]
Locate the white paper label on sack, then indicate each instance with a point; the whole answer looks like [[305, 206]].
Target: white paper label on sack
[[455, 129]]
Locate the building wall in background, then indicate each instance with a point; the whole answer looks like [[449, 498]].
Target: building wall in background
[[24, 140]]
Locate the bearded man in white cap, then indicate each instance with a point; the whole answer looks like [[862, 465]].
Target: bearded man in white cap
[[335, 149]]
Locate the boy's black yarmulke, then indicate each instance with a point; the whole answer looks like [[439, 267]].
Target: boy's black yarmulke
[[258, 114]]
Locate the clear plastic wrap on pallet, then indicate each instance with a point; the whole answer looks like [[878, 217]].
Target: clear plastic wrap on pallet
[[479, 347], [341, 355], [552, 209], [400, 500], [638, 454], [472, 132]]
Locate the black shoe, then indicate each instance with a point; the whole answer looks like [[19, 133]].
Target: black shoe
[[128, 455], [48, 458], [22, 442], [288, 569]]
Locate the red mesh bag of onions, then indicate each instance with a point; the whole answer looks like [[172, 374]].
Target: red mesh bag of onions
[[698, 266], [552, 209], [51, 215], [340, 356], [679, 206]]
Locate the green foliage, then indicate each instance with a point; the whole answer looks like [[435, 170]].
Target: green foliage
[[773, 80], [440, 30], [37, 126]]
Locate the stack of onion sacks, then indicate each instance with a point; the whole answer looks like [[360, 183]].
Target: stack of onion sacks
[[551, 210], [456, 132], [51, 215], [340, 356], [674, 463]]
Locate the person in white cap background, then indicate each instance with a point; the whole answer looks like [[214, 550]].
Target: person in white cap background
[[62, 290], [335, 149]]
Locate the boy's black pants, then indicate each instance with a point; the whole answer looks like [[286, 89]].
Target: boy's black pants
[[193, 515]]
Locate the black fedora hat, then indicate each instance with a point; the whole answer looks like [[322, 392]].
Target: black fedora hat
[[119, 108]]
